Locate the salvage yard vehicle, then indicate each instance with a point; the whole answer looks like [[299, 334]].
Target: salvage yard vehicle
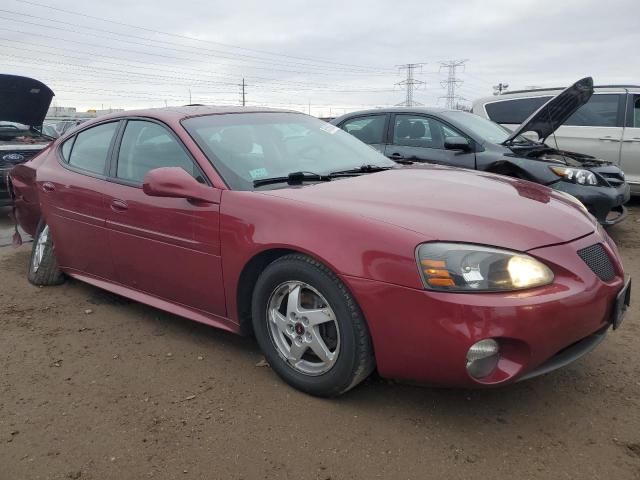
[[23, 105], [337, 259], [606, 126], [461, 139]]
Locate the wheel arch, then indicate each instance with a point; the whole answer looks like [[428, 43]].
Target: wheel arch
[[247, 282]]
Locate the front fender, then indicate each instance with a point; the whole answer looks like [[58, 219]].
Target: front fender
[[252, 223]]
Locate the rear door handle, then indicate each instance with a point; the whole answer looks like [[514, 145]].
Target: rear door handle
[[634, 139], [396, 156], [48, 187], [119, 205]]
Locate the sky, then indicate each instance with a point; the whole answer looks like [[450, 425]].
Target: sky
[[325, 57]]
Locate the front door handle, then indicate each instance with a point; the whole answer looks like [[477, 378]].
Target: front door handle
[[119, 205], [396, 156], [48, 187], [609, 138]]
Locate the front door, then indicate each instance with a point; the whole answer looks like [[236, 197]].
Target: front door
[[421, 138], [165, 247]]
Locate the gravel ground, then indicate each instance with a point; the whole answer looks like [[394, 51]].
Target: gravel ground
[[93, 386]]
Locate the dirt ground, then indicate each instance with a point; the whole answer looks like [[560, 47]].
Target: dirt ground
[[93, 386]]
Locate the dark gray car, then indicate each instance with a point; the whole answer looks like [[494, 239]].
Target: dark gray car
[[466, 140]]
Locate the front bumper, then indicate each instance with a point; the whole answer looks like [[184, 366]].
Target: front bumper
[[422, 336], [604, 203]]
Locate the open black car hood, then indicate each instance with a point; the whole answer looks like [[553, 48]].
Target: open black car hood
[[556, 111], [24, 100]]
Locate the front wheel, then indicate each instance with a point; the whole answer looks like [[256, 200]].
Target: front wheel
[[310, 328], [43, 267]]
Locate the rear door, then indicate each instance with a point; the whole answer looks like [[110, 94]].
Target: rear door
[[630, 154], [165, 247], [421, 138], [74, 202], [371, 129]]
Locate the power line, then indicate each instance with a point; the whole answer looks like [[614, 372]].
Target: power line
[[451, 99], [262, 52], [410, 83]]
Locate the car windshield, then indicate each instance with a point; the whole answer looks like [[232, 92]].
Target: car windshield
[[483, 128], [245, 147]]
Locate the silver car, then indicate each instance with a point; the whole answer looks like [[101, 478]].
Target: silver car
[[606, 127]]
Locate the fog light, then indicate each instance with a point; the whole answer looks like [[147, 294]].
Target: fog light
[[483, 357]]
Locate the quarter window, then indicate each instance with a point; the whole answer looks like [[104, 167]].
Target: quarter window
[[600, 111], [367, 129], [66, 149], [91, 147], [147, 145]]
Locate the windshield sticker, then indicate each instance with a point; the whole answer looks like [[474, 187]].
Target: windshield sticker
[[258, 173], [329, 128]]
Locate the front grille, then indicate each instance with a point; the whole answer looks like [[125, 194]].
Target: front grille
[[614, 179], [598, 260]]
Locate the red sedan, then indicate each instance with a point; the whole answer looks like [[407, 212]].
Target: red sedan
[[338, 260]]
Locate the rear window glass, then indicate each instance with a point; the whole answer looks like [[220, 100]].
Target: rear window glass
[[514, 111], [368, 129], [91, 147]]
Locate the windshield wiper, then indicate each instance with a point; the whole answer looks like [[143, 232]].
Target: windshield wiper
[[294, 178], [362, 169]]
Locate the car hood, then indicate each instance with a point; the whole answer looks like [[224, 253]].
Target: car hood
[[450, 204], [24, 100], [556, 111]]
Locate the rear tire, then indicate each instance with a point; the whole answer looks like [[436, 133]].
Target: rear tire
[[310, 327], [43, 266]]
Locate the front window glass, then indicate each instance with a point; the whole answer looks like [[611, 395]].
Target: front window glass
[[251, 146], [91, 148], [636, 112], [147, 145]]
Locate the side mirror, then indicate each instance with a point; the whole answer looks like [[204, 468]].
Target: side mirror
[[174, 182], [457, 143]]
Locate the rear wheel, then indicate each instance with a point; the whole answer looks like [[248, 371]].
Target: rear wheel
[[310, 328], [43, 267]]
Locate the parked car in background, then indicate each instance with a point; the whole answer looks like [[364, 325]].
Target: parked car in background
[[607, 126], [23, 105], [462, 139], [338, 260]]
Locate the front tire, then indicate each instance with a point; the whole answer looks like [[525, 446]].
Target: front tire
[[43, 266], [310, 328]]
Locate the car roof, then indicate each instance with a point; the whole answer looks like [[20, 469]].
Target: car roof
[[536, 92], [188, 111], [432, 110]]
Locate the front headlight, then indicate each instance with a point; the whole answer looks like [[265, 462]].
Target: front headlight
[[576, 175], [457, 267]]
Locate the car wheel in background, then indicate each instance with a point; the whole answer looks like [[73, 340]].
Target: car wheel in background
[[310, 328], [43, 267]]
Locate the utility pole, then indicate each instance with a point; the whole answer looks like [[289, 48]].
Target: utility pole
[[243, 97], [451, 99], [410, 83], [499, 88], [190, 102]]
